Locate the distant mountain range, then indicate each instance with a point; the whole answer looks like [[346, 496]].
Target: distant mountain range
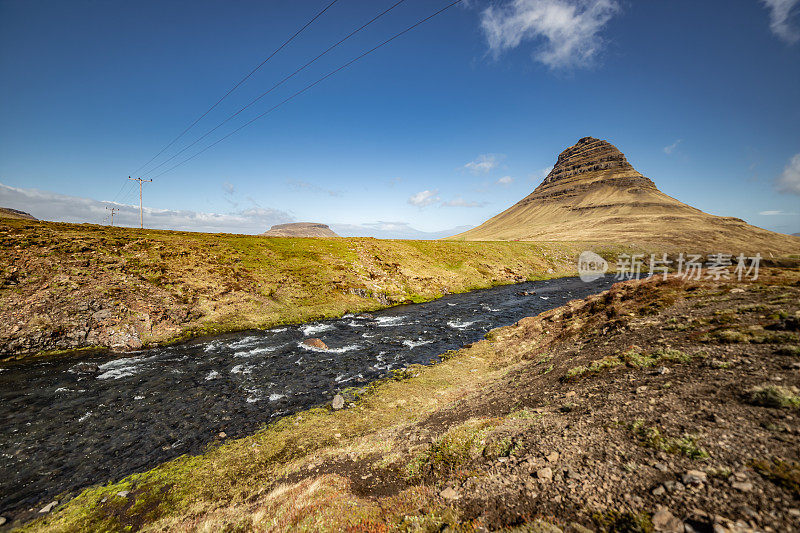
[[594, 194]]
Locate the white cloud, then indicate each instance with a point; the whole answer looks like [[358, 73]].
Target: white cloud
[[63, 208], [781, 13], [424, 198], [506, 180], [672, 147], [393, 230], [458, 201], [789, 180], [541, 174], [306, 186], [567, 30], [484, 163], [775, 212]]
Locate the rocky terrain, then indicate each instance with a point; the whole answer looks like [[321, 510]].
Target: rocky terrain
[[659, 405], [7, 212], [593, 193], [69, 286], [300, 229]]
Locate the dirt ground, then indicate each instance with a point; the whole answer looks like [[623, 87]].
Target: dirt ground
[[655, 406], [691, 425]]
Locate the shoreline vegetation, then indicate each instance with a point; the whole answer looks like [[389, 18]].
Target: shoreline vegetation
[[67, 287], [510, 432]]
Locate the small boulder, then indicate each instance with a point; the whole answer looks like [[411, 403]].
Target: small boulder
[[545, 474], [49, 507], [694, 477], [315, 343], [449, 494], [742, 486], [3, 520], [123, 493], [663, 520], [86, 368], [338, 402]]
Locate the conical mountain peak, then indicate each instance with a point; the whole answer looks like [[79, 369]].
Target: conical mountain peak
[[593, 194], [589, 155]]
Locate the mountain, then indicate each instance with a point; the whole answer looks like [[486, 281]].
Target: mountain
[[594, 194], [7, 212], [300, 229], [394, 230]]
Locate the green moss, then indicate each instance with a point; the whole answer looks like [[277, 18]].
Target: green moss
[[452, 450], [785, 474], [774, 396], [652, 437], [613, 521]]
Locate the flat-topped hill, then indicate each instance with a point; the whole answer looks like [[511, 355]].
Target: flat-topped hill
[[300, 229]]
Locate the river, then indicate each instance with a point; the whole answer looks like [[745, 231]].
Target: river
[[68, 425]]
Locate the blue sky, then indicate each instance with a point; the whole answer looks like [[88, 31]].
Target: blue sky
[[443, 128]]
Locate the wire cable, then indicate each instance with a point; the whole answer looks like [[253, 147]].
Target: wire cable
[[281, 47], [284, 80], [306, 88]]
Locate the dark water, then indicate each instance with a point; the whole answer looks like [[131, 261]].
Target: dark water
[[63, 429]]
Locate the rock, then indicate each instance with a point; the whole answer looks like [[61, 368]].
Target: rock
[[3, 520], [641, 389], [552, 457], [123, 493], [673, 486], [449, 494], [86, 368], [103, 314], [663, 520], [338, 402], [742, 486], [659, 491], [315, 343], [575, 527], [661, 467], [222, 434], [694, 477], [49, 507], [736, 291], [545, 474], [662, 370]]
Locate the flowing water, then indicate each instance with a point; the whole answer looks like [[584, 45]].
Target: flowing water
[[64, 428]]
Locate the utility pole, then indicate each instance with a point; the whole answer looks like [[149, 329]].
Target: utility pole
[[141, 217], [113, 210]]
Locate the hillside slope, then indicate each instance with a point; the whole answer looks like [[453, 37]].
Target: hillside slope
[[7, 212], [656, 406], [67, 286], [594, 194]]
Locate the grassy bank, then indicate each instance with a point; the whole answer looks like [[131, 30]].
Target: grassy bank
[[67, 286], [506, 433]]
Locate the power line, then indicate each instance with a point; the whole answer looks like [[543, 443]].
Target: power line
[[281, 47], [320, 80], [284, 80]]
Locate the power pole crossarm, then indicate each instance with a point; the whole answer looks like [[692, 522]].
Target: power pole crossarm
[[113, 210], [141, 216]]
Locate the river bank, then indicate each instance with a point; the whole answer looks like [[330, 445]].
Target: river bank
[[70, 286], [74, 422], [653, 404]]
